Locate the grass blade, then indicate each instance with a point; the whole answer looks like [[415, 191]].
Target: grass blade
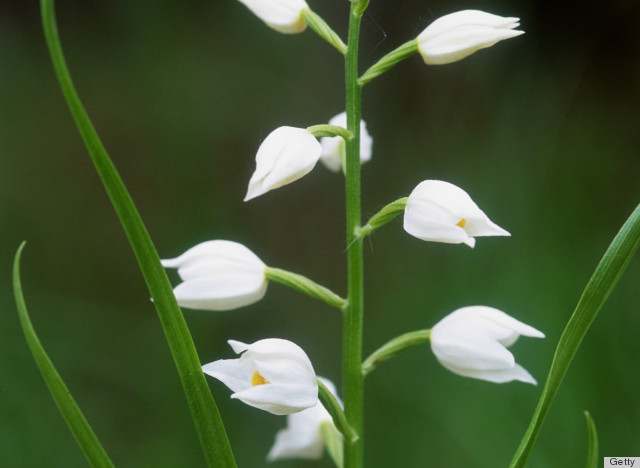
[[604, 279], [211, 431], [82, 432], [592, 454]]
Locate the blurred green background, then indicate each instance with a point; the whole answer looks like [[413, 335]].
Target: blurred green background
[[541, 130]]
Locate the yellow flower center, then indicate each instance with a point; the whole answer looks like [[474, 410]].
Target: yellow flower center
[[257, 379], [462, 223]]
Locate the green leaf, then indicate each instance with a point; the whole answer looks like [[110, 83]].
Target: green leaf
[[82, 432], [592, 454], [211, 431], [604, 279]]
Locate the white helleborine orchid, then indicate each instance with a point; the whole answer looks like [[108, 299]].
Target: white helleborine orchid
[[458, 35], [473, 342], [287, 154], [218, 275], [442, 212], [333, 148], [273, 375], [302, 438], [284, 16]]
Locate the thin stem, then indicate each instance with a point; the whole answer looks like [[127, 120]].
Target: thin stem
[[204, 411], [352, 377], [305, 285], [332, 406], [393, 347]]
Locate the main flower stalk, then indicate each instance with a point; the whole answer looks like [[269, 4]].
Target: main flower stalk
[[353, 318]]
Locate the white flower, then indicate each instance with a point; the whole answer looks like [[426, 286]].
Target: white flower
[[458, 35], [473, 342], [273, 375], [287, 154], [441, 212], [284, 16], [218, 275], [333, 148], [302, 438]]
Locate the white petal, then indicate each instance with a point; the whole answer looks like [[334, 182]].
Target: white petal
[[516, 372], [286, 155], [217, 250], [472, 341], [458, 35], [230, 373], [219, 292], [333, 148], [438, 211], [279, 399], [302, 437], [465, 350], [282, 15]]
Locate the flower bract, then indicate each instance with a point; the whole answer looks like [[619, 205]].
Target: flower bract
[[274, 375], [218, 275], [442, 212], [455, 36], [284, 16], [472, 342], [333, 148], [302, 438], [287, 154]]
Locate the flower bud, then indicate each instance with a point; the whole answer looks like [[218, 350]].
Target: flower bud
[[458, 35], [218, 275], [284, 16], [287, 154], [333, 148], [438, 211], [273, 375], [473, 342]]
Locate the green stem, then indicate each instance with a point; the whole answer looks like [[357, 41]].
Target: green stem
[[323, 30], [305, 285], [204, 411], [352, 377], [326, 130], [393, 347], [332, 406], [391, 59], [382, 217]]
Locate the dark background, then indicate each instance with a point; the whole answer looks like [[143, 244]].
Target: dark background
[[541, 130]]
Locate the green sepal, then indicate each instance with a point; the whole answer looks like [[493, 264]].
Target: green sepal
[[604, 279], [77, 423], [391, 59], [322, 29], [305, 285]]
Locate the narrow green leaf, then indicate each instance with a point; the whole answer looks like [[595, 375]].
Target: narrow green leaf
[[213, 437], [592, 454], [82, 432], [604, 279]]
